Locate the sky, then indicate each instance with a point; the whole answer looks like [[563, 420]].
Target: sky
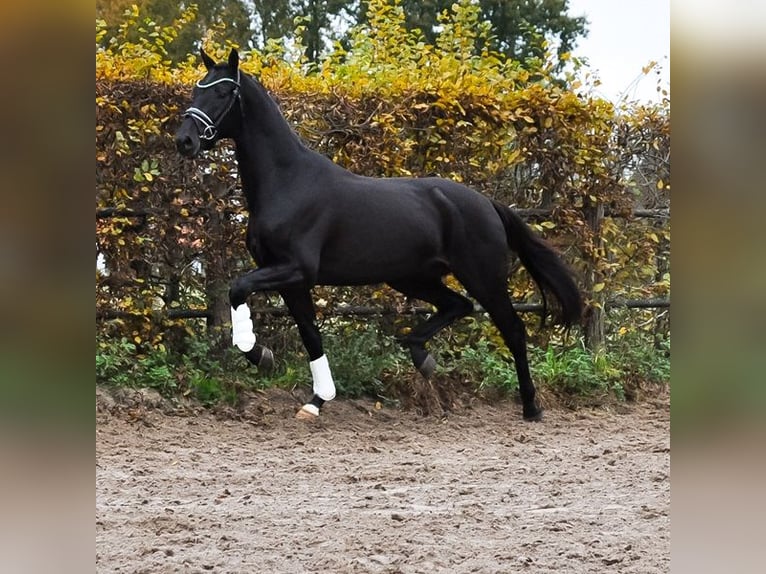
[[624, 36]]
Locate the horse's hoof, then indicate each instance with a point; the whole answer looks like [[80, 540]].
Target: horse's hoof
[[428, 366], [261, 357], [307, 412], [266, 364], [533, 415]]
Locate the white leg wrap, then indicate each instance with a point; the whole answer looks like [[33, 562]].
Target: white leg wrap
[[324, 387], [242, 334]]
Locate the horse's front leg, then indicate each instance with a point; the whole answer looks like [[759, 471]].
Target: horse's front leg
[[292, 285], [299, 302], [243, 337], [272, 278], [242, 332]]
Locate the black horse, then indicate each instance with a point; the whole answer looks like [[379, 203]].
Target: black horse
[[312, 222]]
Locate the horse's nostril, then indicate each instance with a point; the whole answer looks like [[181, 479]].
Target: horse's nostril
[[184, 144]]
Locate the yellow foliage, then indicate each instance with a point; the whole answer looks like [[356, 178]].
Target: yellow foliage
[[389, 105]]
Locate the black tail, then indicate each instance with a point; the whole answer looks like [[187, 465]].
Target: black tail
[[544, 265]]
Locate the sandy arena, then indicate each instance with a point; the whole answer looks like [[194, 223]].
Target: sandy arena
[[378, 490]]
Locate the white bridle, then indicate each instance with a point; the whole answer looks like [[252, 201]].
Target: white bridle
[[209, 127]]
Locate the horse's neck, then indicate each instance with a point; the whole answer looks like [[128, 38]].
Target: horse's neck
[[267, 149]]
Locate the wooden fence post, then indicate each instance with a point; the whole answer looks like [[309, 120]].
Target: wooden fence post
[[594, 317], [662, 320], [217, 281]]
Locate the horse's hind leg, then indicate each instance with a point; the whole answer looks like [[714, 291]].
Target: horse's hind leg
[[492, 294], [301, 307], [450, 306]]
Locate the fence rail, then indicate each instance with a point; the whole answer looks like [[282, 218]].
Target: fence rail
[[365, 311], [528, 212], [524, 212]]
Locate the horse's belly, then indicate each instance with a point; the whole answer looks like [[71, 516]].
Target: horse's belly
[[369, 266], [384, 243]]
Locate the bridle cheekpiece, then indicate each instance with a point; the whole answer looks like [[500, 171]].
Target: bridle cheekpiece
[[209, 127]]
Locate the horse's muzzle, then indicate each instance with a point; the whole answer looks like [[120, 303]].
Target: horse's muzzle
[[187, 145], [187, 139]]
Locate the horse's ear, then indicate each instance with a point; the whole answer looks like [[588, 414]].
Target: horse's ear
[[233, 59], [207, 60]]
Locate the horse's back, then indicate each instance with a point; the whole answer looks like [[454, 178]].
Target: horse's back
[[384, 229]]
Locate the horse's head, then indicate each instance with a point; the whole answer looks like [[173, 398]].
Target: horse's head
[[215, 109]]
